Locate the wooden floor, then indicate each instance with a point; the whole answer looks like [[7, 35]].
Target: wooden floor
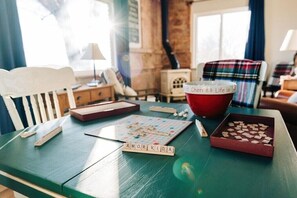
[[7, 193]]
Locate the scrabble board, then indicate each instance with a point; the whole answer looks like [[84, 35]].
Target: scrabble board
[[142, 130]]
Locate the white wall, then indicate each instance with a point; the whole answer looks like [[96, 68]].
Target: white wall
[[280, 16], [216, 5]]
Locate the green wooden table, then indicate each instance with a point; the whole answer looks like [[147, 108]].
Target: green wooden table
[[76, 165]]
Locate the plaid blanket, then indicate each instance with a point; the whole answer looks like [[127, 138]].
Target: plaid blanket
[[280, 69], [245, 73]]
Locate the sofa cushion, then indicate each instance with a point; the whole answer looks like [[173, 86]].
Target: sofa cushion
[[279, 70], [111, 78], [293, 98], [128, 91], [288, 110]]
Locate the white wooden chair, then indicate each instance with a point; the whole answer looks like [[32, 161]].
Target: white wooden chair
[[39, 84]]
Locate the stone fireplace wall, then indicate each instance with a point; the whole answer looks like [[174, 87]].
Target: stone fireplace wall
[[147, 61], [179, 31]]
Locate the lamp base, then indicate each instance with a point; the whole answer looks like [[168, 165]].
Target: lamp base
[[93, 83]]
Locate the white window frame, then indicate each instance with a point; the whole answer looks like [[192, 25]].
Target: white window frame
[[89, 71], [194, 29]]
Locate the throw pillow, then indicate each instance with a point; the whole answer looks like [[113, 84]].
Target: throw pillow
[[129, 91], [293, 98], [111, 78], [119, 77], [103, 80]]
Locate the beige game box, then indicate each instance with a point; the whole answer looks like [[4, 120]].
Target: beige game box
[[101, 110]]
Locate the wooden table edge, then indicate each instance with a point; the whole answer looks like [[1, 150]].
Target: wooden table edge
[[31, 185]]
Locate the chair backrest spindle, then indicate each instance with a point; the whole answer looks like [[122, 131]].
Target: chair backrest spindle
[[27, 111]]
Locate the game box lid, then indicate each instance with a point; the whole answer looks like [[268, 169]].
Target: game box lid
[[245, 133]]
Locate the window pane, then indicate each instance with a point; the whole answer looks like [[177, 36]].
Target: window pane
[[58, 32], [208, 38], [234, 34], [221, 36]]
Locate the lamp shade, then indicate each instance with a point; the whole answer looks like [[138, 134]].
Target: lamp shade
[[93, 53], [290, 41]]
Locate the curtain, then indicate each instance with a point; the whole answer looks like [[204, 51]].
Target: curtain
[[11, 53], [256, 40], [121, 8]]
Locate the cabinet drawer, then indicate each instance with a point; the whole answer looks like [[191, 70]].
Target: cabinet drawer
[[82, 98], [100, 94], [63, 102]]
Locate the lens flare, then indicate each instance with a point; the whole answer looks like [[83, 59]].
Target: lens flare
[[183, 170], [199, 191]]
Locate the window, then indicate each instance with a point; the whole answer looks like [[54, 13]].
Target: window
[[221, 35], [56, 33]]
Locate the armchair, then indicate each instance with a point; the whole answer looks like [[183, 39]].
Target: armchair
[[114, 77], [273, 83], [285, 101]]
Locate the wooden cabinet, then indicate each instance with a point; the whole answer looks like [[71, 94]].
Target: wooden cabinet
[[100, 94], [290, 84], [82, 97], [86, 95]]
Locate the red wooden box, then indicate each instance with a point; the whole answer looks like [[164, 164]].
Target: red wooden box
[[101, 110], [258, 130]]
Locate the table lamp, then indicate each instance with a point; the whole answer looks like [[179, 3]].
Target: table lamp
[[290, 41], [93, 53]]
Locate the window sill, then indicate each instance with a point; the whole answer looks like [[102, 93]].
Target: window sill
[[86, 73]]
